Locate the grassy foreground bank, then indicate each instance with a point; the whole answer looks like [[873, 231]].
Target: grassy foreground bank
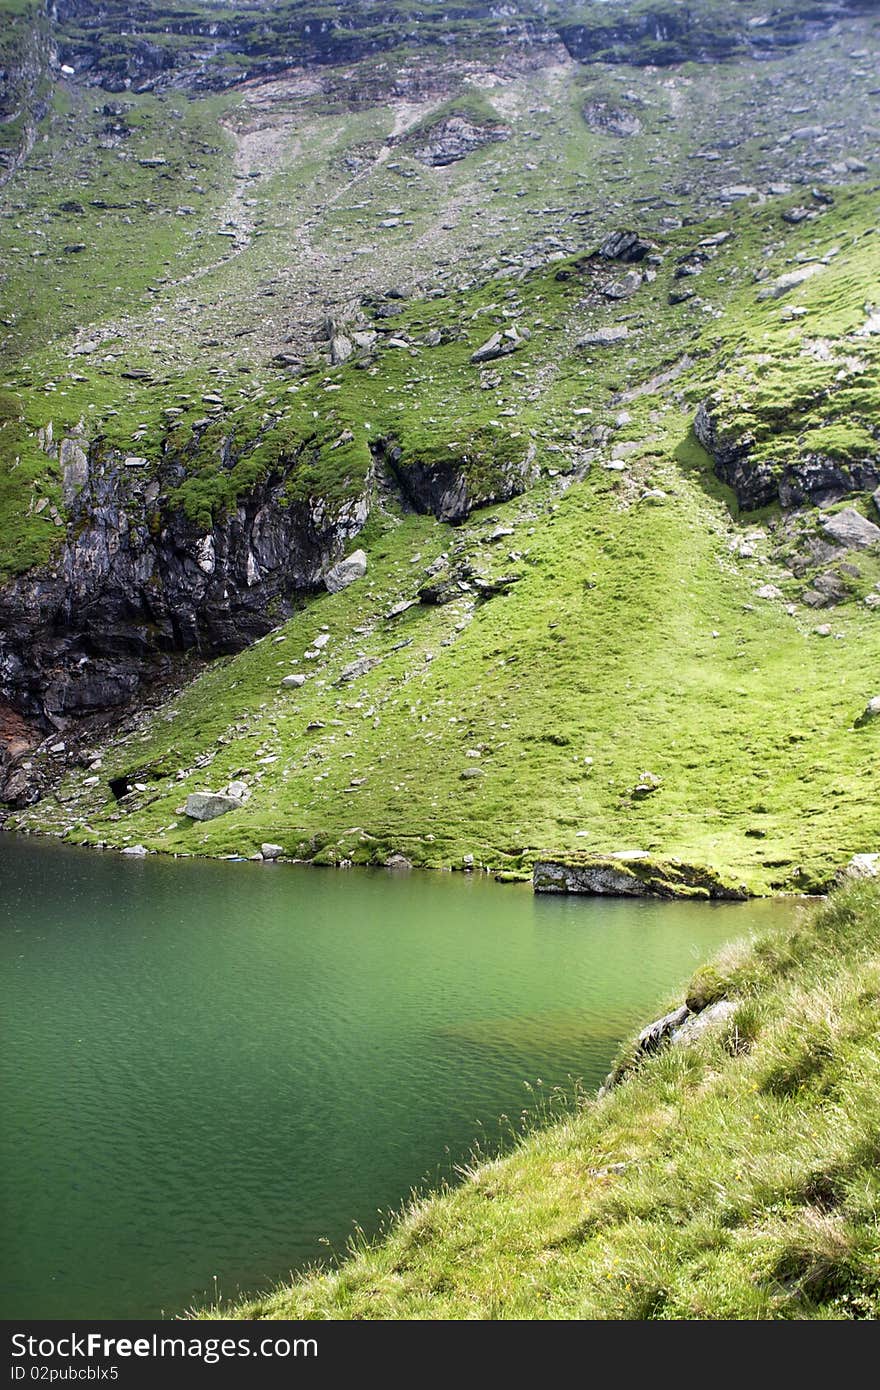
[[734, 1178]]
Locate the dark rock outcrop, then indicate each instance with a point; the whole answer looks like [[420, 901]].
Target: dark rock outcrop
[[455, 137], [450, 488], [625, 246], [136, 582], [812, 479], [666, 33]]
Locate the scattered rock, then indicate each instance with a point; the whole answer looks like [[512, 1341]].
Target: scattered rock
[[293, 682], [604, 337], [625, 246], [203, 806], [647, 784], [353, 567], [501, 344], [611, 119], [789, 281], [851, 529], [869, 713], [403, 607], [271, 852], [356, 669]]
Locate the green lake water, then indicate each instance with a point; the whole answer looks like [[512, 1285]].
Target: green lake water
[[211, 1070]]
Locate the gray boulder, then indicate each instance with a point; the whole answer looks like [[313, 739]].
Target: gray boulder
[[399, 863], [869, 713], [852, 529], [209, 805], [662, 1029], [604, 337], [271, 852], [790, 281], [501, 344], [625, 246], [341, 349], [356, 669], [353, 567], [293, 682], [699, 1024], [862, 866]]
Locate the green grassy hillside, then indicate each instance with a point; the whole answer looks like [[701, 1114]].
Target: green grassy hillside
[[649, 626], [735, 1177]]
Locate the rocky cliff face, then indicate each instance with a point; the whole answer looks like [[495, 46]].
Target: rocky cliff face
[[119, 46], [116, 45], [135, 582], [450, 488], [26, 53], [815, 478], [665, 34]]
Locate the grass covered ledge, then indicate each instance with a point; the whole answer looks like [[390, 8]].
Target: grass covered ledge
[[736, 1177]]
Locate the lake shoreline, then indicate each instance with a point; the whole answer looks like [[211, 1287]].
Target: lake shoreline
[[626, 875]]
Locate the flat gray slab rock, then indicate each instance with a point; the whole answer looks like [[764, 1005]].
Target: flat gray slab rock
[[852, 529]]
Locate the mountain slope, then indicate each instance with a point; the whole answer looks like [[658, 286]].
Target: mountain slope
[[285, 370]]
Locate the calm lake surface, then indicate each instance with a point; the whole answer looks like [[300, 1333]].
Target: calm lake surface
[[209, 1069]]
